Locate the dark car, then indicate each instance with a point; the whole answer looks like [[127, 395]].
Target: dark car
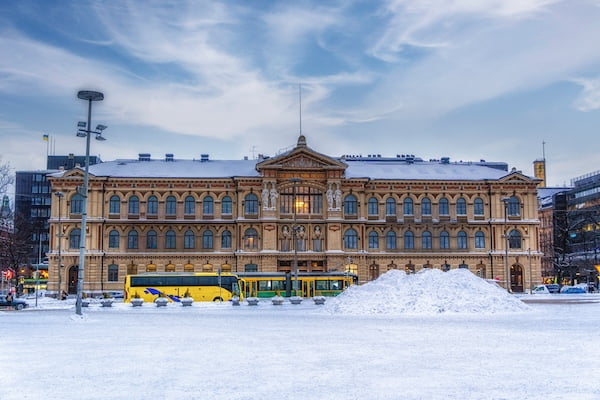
[[574, 290], [553, 287], [17, 304]]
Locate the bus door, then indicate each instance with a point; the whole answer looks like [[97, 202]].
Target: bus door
[[307, 288]]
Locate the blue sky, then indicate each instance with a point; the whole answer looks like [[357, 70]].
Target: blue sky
[[471, 79]]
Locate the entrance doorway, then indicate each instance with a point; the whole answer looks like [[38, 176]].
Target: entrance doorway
[[73, 274], [516, 278]]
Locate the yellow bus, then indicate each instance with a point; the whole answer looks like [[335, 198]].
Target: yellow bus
[[269, 284], [201, 286]]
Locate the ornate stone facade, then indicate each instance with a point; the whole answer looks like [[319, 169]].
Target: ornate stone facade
[[183, 215]]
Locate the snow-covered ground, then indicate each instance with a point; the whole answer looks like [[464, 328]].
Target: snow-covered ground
[[427, 341]]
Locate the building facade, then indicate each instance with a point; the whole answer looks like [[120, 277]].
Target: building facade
[[304, 208]]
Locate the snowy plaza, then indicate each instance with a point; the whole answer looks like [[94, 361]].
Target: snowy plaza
[[385, 340]]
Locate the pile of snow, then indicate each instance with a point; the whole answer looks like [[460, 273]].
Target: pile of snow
[[430, 291]]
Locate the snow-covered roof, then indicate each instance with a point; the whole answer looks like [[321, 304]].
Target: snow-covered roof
[[175, 169], [247, 168], [421, 171]]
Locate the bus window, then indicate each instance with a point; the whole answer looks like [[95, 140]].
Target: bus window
[[322, 285]]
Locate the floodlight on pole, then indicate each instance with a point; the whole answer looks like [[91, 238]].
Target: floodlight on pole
[[90, 96]]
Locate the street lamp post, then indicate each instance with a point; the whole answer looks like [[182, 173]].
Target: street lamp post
[[60, 195], [505, 200], [295, 236], [85, 131]]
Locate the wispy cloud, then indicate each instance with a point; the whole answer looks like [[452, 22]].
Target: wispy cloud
[[589, 99]]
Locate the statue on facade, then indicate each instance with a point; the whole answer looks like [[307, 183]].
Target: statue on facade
[[338, 198], [329, 195], [265, 198], [273, 194]]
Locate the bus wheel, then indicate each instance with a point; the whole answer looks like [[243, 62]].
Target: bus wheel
[[218, 299]]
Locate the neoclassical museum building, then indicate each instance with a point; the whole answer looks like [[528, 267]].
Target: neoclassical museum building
[[365, 214]]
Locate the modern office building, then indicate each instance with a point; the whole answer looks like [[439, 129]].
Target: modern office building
[[33, 200], [368, 214]]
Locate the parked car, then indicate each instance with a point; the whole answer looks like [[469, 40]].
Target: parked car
[[573, 290], [541, 289], [17, 304], [553, 287]]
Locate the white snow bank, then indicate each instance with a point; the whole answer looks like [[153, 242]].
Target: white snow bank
[[430, 291]]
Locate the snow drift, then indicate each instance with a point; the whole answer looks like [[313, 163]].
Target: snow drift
[[430, 291]]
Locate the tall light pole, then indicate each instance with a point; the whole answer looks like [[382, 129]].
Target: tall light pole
[[60, 195], [295, 236], [85, 131], [505, 200]]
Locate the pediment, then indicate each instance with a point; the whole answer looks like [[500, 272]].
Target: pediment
[[517, 177], [301, 157], [75, 173]]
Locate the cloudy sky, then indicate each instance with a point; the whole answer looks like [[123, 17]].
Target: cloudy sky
[[467, 79]]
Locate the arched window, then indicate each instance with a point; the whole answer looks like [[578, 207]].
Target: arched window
[[151, 241], [226, 240], [171, 206], [226, 205], [390, 206], [444, 209], [409, 240], [113, 239], [479, 240], [350, 205], [134, 205], [425, 206], [189, 206], [478, 207], [251, 204], [170, 240], [113, 273], [114, 205], [408, 206], [426, 240], [444, 240], [461, 206], [152, 205], [373, 240], [462, 240], [514, 207], [514, 239], [251, 238], [390, 240], [350, 239], [207, 205], [373, 207], [75, 238], [300, 199], [189, 241], [132, 240], [77, 204], [207, 239]]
